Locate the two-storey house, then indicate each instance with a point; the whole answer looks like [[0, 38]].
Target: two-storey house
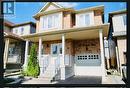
[[117, 39], [14, 49], [70, 42]]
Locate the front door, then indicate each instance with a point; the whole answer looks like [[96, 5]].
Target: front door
[[56, 51], [56, 54]]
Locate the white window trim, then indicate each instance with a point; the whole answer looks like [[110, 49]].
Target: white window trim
[[123, 20], [118, 17], [22, 31], [91, 15], [54, 26], [59, 24]]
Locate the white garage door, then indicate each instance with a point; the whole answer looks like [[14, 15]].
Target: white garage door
[[88, 64]]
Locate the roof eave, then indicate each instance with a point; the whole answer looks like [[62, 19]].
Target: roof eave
[[26, 23], [118, 12], [101, 7], [66, 30], [53, 11]]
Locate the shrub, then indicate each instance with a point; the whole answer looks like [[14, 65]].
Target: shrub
[[33, 68]]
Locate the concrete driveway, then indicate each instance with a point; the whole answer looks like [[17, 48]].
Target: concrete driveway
[[78, 80], [82, 80]]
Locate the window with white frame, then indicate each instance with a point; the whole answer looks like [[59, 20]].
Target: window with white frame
[[50, 21], [81, 17], [44, 23], [84, 20], [56, 20], [22, 31], [12, 49], [16, 31], [124, 19], [87, 19]]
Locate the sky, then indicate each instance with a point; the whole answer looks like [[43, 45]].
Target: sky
[[24, 11]]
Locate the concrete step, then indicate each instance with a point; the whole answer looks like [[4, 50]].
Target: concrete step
[[12, 74], [12, 70]]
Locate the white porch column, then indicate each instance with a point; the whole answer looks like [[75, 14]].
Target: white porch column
[[62, 65], [26, 54], [102, 54], [118, 61], [39, 54], [6, 50]]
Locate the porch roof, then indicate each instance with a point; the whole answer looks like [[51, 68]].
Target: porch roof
[[13, 36], [75, 33]]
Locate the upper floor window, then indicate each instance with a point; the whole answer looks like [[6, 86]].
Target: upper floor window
[[16, 31], [81, 20], [22, 29], [84, 19], [44, 22], [124, 19], [87, 19], [50, 21]]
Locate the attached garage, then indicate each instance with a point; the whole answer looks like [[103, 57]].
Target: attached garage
[[87, 57], [88, 64]]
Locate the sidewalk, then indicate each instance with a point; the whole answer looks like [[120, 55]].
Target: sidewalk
[[113, 79]]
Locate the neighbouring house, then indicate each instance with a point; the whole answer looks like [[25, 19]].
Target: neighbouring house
[[14, 45], [70, 42], [117, 39]]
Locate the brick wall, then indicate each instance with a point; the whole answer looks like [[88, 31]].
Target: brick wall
[[87, 46], [47, 46], [73, 47], [97, 17], [67, 20]]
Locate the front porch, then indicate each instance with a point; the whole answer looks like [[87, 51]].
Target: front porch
[[62, 55], [13, 51]]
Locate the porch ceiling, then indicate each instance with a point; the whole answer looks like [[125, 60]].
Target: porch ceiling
[[73, 33]]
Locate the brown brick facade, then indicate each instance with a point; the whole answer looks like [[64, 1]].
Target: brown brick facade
[[67, 20], [98, 17], [68, 44], [73, 47], [87, 46], [37, 26]]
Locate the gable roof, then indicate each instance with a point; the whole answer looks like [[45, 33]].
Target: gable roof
[[43, 12], [48, 4], [61, 8]]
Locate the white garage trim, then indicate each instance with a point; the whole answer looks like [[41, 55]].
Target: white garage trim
[[88, 70], [88, 64]]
